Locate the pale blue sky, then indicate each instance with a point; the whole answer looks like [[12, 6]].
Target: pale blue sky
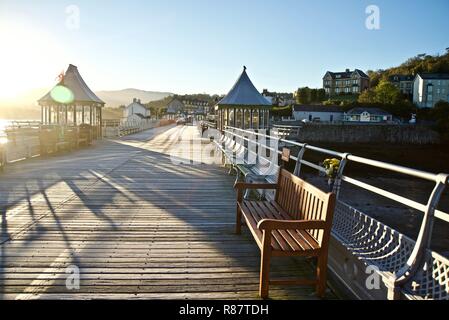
[[191, 46]]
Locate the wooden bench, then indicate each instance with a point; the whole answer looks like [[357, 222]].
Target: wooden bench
[[84, 135], [71, 137], [48, 138], [62, 145], [297, 223]]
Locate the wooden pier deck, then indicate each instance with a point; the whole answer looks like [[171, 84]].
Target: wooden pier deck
[[135, 224]]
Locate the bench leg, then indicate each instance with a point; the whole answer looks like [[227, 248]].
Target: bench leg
[[265, 266], [321, 272]]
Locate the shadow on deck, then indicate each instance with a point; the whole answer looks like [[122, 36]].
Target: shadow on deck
[[135, 224]]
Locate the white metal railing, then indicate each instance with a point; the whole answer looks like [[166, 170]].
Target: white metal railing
[[207, 124], [408, 260], [123, 128], [20, 141], [284, 131]]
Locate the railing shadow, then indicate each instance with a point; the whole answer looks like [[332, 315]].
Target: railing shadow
[[126, 173]]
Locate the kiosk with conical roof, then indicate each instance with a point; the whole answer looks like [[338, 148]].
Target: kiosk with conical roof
[[72, 103], [243, 107]]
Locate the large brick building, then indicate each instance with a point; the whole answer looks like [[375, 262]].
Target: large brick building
[[347, 82]]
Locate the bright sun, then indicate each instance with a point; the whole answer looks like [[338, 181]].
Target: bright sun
[[28, 58]]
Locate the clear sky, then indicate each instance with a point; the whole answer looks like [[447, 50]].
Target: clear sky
[[193, 46]]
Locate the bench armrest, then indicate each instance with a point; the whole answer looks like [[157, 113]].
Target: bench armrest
[[272, 224], [266, 186]]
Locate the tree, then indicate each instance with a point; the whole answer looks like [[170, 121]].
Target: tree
[[386, 93], [440, 113], [303, 95], [313, 95], [321, 95], [367, 96]]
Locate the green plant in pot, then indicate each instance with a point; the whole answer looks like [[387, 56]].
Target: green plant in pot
[[331, 167]]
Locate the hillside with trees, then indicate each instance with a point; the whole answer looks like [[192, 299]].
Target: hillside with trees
[[307, 95], [420, 63], [159, 107]]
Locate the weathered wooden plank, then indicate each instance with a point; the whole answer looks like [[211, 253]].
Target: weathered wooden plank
[[136, 224]]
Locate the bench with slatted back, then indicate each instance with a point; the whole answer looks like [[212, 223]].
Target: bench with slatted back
[[297, 223]]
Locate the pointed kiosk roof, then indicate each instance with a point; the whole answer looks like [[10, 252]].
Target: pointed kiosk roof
[[75, 83], [244, 93]]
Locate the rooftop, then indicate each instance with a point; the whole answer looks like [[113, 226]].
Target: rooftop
[[375, 111], [317, 108], [437, 76], [244, 93], [346, 74], [400, 77], [73, 81]]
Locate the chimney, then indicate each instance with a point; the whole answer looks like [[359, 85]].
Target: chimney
[[138, 101], [347, 70], [134, 100]]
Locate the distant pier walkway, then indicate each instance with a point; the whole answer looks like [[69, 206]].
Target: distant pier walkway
[[133, 223]]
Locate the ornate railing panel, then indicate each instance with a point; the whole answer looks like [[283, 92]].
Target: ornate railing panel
[[408, 267]]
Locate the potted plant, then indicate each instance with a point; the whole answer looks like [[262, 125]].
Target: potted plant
[[331, 166]]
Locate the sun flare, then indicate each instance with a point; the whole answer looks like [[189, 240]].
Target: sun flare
[[27, 57]]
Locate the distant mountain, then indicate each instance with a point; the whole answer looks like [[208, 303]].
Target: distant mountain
[[117, 98], [24, 106]]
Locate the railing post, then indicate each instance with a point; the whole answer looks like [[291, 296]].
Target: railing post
[[417, 257], [297, 170], [341, 168]]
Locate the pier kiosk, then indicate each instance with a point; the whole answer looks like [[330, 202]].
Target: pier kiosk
[[243, 107], [71, 103]]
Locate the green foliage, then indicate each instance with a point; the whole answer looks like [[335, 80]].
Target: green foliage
[[303, 95], [440, 113], [387, 93], [388, 97], [282, 111], [384, 93], [368, 96], [331, 166], [420, 63], [307, 96]]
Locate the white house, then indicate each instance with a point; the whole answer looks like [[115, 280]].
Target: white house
[[429, 88], [368, 115], [136, 112], [318, 113]]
